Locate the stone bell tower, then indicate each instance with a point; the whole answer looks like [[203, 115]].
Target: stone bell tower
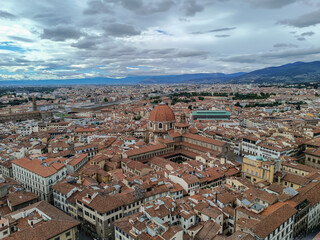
[[34, 104]]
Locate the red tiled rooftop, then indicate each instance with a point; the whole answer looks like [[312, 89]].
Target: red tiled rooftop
[[162, 113], [36, 166]]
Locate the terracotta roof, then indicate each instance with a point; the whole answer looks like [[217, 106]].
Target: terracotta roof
[[145, 149], [313, 151], [36, 166], [162, 113], [59, 223], [173, 230], [204, 139], [63, 187], [77, 159], [20, 197], [273, 221], [209, 230], [293, 178], [299, 166], [276, 188]]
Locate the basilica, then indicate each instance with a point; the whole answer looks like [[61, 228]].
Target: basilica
[[173, 140]]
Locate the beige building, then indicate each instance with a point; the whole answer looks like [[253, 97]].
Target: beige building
[[256, 168], [312, 157]]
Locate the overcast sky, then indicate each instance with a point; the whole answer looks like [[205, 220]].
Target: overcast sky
[[56, 39]]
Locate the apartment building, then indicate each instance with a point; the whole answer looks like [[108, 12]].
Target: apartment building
[[188, 182], [170, 220], [97, 208], [38, 175], [256, 168], [312, 157], [40, 220], [252, 145], [278, 225], [62, 191]]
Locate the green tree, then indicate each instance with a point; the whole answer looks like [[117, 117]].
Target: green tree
[[238, 104]]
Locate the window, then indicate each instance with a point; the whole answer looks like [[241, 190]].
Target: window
[[67, 234], [160, 125]]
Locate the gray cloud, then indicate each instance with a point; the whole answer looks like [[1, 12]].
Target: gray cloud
[[120, 30], [189, 53], [271, 4], [307, 33], [21, 39], [222, 36], [305, 20], [147, 7], [7, 15], [222, 29], [98, 6], [191, 7], [215, 30], [84, 44], [110, 36], [285, 45], [90, 42], [301, 38], [61, 33], [265, 57], [52, 19]]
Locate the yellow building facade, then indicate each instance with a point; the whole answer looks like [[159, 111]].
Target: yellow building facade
[[257, 169]]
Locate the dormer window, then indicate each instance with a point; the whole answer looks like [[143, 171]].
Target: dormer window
[[160, 125]]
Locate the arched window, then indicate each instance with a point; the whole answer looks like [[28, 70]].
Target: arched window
[[160, 125]]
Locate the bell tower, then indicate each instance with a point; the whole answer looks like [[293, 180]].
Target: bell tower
[[34, 104]]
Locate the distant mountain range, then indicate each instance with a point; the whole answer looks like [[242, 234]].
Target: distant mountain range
[[290, 73], [200, 78]]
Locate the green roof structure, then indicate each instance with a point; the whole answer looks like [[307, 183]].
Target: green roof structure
[[210, 115]]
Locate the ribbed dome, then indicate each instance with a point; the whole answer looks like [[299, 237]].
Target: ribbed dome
[[162, 113]]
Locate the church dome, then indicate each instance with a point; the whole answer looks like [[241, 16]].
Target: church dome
[[162, 113]]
